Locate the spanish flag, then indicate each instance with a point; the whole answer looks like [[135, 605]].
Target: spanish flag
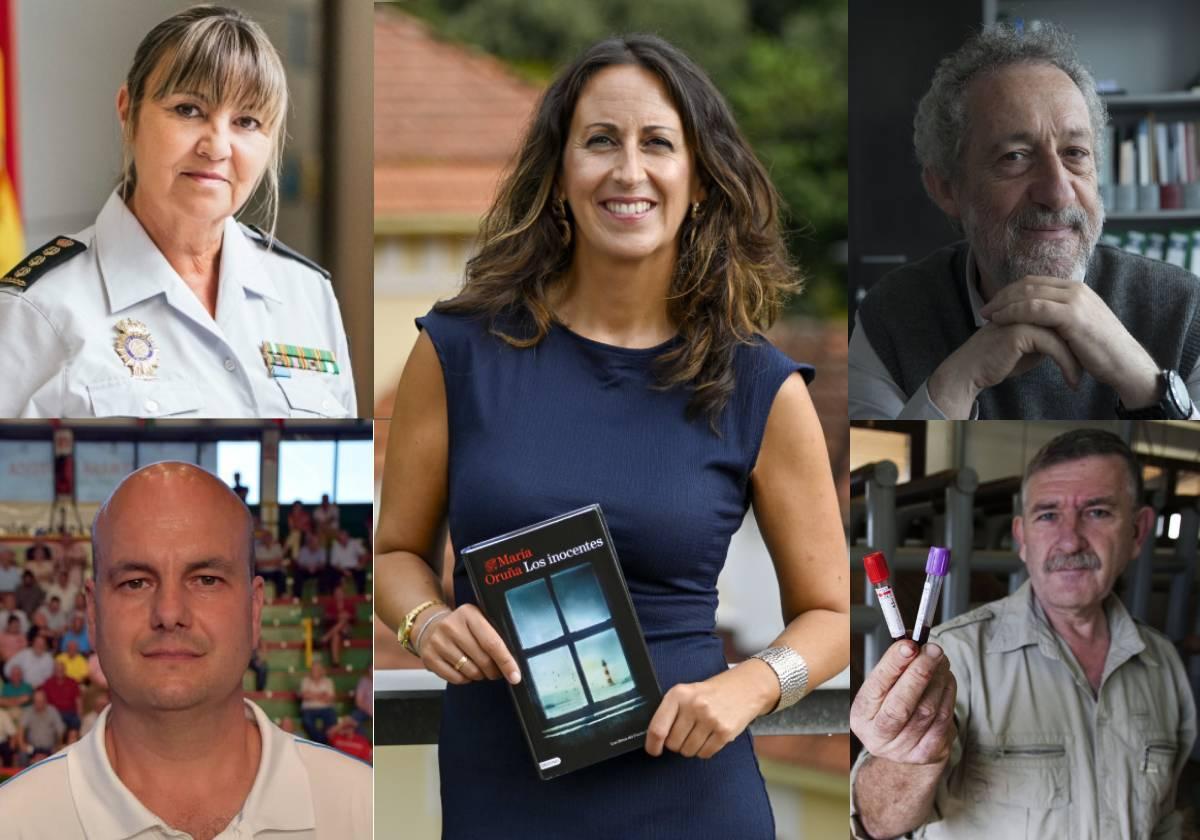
[[12, 242]]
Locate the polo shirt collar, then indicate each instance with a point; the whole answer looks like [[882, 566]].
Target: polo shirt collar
[[279, 800]]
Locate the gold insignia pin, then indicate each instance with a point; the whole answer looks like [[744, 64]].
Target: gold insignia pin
[[64, 242], [51, 251], [137, 348], [38, 260], [21, 272]]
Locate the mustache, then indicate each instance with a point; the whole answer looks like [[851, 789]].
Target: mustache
[[1072, 562], [177, 644], [1072, 217]]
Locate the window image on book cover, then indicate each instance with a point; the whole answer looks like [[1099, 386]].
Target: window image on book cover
[[555, 593]]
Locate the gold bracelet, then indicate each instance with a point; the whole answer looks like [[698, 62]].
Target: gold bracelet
[[404, 635]]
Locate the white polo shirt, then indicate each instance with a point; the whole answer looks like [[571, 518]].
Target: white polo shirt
[[302, 791]]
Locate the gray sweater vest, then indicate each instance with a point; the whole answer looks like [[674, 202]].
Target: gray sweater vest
[[918, 315]]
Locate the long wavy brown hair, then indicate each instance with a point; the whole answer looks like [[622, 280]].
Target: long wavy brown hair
[[733, 272]]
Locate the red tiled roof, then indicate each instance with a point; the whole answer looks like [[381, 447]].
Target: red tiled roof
[[447, 120]]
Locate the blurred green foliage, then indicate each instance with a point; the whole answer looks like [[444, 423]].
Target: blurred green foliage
[[782, 65]]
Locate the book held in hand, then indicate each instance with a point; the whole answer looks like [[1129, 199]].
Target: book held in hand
[[555, 593]]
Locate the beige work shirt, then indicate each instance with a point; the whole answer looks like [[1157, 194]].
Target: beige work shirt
[[1038, 754]]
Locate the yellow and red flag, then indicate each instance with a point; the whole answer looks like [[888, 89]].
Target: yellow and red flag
[[12, 240]]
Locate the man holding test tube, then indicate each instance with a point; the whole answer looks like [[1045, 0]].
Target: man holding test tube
[[1049, 713]]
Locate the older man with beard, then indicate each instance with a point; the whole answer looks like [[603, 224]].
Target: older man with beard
[[1049, 713], [1027, 318]]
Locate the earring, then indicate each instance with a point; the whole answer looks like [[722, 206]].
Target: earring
[[695, 210], [560, 219]]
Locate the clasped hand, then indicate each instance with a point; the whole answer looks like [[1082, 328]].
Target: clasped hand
[[1045, 316]]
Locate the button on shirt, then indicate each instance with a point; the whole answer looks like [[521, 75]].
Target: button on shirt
[[58, 334], [302, 791], [1037, 755]]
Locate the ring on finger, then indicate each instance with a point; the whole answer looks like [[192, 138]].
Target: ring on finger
[[462, 660]]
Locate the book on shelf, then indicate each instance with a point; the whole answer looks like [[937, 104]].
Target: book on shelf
[[555, 593]]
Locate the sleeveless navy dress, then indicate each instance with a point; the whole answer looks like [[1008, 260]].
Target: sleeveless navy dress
[[539, 431]]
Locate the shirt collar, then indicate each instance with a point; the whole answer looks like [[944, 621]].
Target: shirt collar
[[133, 269], [1021, 621], [279, 800]]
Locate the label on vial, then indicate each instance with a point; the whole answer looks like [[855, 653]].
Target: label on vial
[[923, 611], [891, 613]]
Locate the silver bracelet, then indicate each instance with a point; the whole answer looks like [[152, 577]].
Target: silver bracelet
[[791, 670], [425, 626]]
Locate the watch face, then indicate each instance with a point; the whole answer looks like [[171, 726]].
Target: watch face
[[1179, 393]]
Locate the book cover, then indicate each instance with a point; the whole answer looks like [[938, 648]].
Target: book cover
[[555, 593]]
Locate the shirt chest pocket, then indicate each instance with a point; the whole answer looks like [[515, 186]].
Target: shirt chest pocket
[[1019, 785], [309, 397], [143, 398]]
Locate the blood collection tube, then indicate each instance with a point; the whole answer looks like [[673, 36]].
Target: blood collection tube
[[935, 572], [877, 573]]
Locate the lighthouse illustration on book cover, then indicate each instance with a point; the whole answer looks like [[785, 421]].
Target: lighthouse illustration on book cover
[[555, 593]]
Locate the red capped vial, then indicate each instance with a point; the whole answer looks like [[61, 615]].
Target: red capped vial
[[877, 573]]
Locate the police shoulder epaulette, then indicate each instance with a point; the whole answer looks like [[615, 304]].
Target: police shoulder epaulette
[[263, 240], [55, 252]]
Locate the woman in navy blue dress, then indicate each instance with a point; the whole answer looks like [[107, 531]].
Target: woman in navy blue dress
[[606, 348]]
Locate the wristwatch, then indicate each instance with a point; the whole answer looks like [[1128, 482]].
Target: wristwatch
[[1175, 403]]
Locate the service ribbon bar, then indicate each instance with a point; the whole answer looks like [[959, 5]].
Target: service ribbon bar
[[276, 354]]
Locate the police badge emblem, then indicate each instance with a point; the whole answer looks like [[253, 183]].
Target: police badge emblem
[[136, 348]]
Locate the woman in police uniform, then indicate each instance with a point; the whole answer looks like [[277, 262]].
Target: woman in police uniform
[[167, 305]]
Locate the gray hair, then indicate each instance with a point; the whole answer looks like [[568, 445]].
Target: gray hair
[[222, 55], [940, 126]]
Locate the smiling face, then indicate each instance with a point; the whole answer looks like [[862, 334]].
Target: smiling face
[[628, 175], [1027, 193], [1079, 530], [173, 611], [194, 158]]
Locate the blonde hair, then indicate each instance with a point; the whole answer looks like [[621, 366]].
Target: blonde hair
[[223, 56]]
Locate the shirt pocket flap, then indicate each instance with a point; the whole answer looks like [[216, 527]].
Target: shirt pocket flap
[[1032, 776], [311, 396], [143, 398]]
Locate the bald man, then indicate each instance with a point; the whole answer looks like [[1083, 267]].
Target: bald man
[[174, 612]]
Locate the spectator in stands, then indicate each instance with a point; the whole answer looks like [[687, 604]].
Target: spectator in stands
[[75, 560], [364, 701], [99, 704], [95, 671], [337, 624], [1049, 713], [299, 524], [326, 520], [12, 640], [63, 589], [77, 633], [30, 594], [317, 696], [8, 741], [74, 663], [311, 564], [16, 693], [52, 619], [268, 562], [240, 489], [41, 727], [39, 562], [258, 664], [10, 572], [174, 611], [346, 558], [8, 602], [65, 695], [35, 662], [349, 740]]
